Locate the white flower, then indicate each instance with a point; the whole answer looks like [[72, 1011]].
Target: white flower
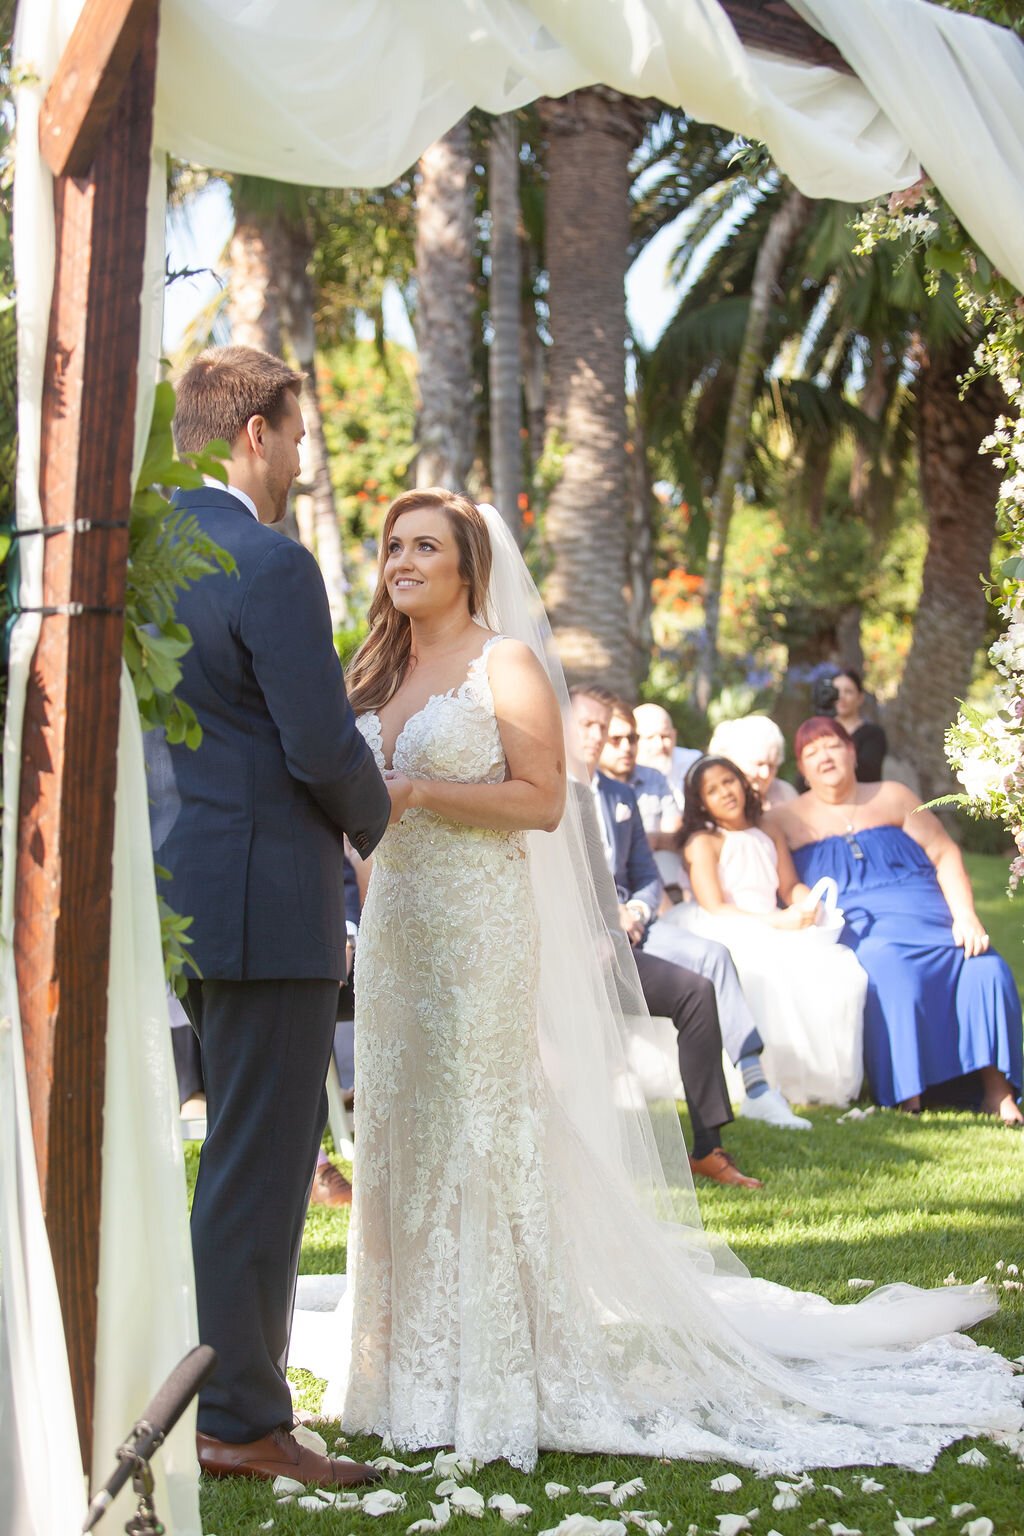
[[507, 1507], [441, 1513], [466, 1501], [556, 1490], [973, 1458], [981, 1527], [382, 1501], [626, 1491], [727, 1483]]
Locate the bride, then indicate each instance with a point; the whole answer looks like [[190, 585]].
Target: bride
[[527, 1267]]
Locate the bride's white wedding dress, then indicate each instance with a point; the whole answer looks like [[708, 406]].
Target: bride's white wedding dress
[[509, 1289]]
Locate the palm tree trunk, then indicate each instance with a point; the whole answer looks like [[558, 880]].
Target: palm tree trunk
[[445, 311], [785, 225], [256, 256], [959, 488], [504, 297], [324, 528], [590, 137]]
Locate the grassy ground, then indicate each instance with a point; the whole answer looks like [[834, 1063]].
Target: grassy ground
[[888, 1197]]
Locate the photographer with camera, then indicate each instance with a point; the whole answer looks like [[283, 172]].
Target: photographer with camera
[[841, 697]]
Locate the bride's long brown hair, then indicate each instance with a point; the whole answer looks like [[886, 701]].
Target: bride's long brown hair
[[378, 667]]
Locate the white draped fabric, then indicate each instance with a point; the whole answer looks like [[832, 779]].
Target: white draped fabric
[[349, 95]]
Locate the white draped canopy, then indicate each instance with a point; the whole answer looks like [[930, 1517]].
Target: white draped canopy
[[326, 93]]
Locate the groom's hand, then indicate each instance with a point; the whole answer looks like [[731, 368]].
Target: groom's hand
[[399, 787]]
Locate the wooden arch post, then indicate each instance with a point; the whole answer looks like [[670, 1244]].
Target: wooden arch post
[[95, 134]]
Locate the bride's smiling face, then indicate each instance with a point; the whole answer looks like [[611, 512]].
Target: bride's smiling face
[[422, 564]]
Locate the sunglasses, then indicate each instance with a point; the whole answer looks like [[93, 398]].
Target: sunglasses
[[618, 741]]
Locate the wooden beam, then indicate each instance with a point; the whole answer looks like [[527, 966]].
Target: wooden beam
[[69, 749], [89, 80], [776, 27]]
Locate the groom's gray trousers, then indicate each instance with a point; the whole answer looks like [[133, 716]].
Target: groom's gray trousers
[[265, 1049], [740, 1035]]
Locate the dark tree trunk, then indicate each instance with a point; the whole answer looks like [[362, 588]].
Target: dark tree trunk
[[959, 488]]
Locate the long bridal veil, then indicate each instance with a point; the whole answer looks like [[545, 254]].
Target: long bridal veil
[[652, 1338]]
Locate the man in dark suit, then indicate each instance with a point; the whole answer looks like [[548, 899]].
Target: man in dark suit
[[250, 829], [670, 990]]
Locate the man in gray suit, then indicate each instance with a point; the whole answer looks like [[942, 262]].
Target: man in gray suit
[[250, 829]]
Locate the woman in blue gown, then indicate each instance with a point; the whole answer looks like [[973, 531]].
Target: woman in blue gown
[[941, 1003]]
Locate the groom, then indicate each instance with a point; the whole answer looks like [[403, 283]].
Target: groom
[[249, 828]]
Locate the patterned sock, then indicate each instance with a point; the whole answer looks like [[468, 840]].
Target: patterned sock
[[754, 1081]]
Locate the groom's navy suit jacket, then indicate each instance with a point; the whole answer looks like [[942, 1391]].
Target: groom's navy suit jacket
[[250, 825], [635, 873]]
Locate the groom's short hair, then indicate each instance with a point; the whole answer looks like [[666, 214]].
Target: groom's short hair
[[223, 388]]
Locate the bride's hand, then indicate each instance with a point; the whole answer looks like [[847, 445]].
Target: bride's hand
[[400, 788]]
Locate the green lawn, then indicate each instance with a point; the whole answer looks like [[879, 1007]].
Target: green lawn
[[885, 1198]]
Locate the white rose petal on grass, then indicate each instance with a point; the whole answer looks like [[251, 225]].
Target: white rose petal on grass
[[623, 1492], [556, 1490], [382, 1501], [731, 1525], [309, 1438], [860, 1285], [868, 1485], [831, 1488], [957, 1511], [389, 1464], [646, 1520], [451, 1464], [1011, 1269], [597, 1490], [446, 1486], [973, 1458], [507, 1507], [441, 1513], [727, 1483], [951, 1279], [787, 1498], [286, 1487], [466, 1501], [586, 1525], [981, 1527], [267, 1525], [839, 1529]]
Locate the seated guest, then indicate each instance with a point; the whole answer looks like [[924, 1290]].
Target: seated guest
[[657, 747], [755, 744], [658, 809], [669, 990], [868, 738], [941, 1004], [639, 888], [807, 995]]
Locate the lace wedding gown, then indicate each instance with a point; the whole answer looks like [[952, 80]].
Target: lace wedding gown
[[508, 1289]]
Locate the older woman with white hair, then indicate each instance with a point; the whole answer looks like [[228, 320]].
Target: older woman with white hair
[[756, 745]]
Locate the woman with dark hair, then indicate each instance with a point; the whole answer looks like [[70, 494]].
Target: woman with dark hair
[[941, 1004], [868, 738], [807, 995]]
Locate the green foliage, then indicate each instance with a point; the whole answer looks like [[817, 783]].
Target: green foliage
[[167, 552]]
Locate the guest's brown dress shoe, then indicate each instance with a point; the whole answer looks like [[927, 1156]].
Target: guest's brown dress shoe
[[720, 1167], [330, 1187], [279, 1455]]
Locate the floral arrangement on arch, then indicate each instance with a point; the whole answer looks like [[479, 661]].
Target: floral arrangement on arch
[[985, 752]]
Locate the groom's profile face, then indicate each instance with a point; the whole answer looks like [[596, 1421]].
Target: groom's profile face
[[281, 456]]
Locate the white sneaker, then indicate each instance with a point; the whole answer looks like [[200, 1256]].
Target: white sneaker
[[772, 1108]]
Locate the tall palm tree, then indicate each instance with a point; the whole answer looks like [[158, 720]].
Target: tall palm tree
[[504, 304], [446, 309], [591, 136]]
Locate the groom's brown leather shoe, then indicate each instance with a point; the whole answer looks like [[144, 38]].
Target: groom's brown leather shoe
[[720, 1167], [279, 1455]]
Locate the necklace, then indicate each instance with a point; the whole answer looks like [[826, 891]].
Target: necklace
[[850, 835]]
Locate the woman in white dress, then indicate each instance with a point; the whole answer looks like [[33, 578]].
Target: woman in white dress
[[807, 998], [524, 1272]]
